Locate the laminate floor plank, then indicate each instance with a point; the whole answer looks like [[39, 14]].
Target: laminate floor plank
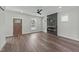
[[40, 42]]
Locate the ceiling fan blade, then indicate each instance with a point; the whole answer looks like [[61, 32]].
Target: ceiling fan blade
[[1, 8]]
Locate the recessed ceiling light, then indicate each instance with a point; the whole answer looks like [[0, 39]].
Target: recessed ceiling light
[[59, 7]]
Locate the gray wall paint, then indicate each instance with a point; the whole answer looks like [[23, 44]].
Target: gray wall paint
[[6, 24], [45, 24], [2, 28], [26, 22], [69, 29]]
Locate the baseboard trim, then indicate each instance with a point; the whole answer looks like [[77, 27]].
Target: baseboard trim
[[72, 38], [2, 45], [25, 34]]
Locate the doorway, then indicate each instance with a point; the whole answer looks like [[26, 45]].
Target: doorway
[[52, 23], [17, 27]]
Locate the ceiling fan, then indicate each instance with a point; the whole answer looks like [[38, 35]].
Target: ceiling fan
[[39, 11], [1, 8]]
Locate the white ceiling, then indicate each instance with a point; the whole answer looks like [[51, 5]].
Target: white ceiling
[[33, 9]]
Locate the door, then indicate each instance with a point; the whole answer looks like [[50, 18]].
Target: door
[[17, 27]]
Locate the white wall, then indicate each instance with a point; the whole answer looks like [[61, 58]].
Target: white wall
[[69, 29], [2, 29], [26, 22], [45, 24], [6, 24]]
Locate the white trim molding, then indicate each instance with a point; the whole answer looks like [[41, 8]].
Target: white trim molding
[[73, 38]]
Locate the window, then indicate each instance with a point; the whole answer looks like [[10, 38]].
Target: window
[[64, 18]]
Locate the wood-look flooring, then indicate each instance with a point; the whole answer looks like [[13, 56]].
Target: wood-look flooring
[[40, 42]]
